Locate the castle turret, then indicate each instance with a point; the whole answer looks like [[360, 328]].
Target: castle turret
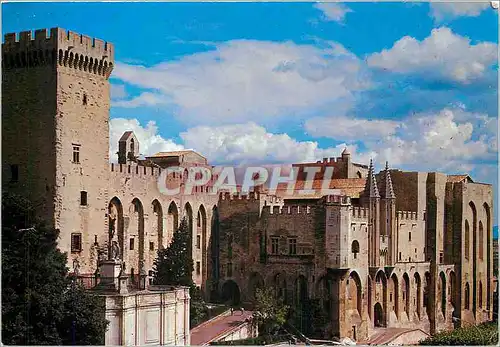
[[56, 132], [371, 200], [128, 148], [388, 231]]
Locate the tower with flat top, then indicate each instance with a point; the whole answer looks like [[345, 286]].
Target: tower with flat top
[[55, 132]]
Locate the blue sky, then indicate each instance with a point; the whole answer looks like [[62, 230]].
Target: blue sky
[[412, 83]]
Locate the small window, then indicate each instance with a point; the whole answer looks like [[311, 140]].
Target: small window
[[76, 154], [399, 255], [441, 257], [76, 242], [409, 236], [198, 268], [355, 248], [292, 246], [198, 241], [83, 198], [132, 145], [14, 173], [198, 220], [84, 101], [274, 245], [151, 246], [131, 244], [390, 297], [229, 270]]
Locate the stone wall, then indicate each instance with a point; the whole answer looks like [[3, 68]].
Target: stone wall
[[149, 218], [153, 317]]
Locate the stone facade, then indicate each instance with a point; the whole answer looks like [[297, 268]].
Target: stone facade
[[412, 250], [395, 249], [152, 317], [56, 152]]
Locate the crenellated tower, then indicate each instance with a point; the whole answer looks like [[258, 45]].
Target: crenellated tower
[[56, 132], [371, 200], [388, 230]]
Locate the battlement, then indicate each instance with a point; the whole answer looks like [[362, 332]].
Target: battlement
[[331, 160], [359, 212], [65, 48], [406, 215], [135, 170], [271, 199], [254, 196], [287, 210], [337, 199]]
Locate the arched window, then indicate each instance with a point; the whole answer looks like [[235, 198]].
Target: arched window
[[359, 174], [355, 248]]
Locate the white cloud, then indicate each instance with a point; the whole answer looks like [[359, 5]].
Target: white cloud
[[250, 143], [246, 80], [144, 99], [333, 11], [150, 141], [443, 54], [450, 10], [449, 141], [349, 128], [240, 144]]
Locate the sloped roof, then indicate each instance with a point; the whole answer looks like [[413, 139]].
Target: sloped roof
[[126, 135], [352, 187], [174, 153], [459, 178]]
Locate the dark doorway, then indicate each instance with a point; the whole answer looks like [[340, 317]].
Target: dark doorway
[[379, 315], [230, 293]]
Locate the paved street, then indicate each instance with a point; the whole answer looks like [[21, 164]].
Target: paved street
[[208, 331]]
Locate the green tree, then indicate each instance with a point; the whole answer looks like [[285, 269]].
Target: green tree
[[40, 306], [269, 313], [174, 266], [481, 335]]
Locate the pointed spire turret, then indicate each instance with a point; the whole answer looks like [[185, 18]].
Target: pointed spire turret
[[371, 190], [388, 191]]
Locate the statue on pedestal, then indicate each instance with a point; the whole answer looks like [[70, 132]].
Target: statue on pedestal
[[115, 251], [76, 267]]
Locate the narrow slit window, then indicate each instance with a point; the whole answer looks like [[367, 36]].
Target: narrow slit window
[[83, 198]]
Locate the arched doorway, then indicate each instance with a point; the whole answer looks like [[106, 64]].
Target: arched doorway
[[230, 293], [137, 214], [158, 213], [173, 217], [213, 246], [442, 289], [474, 255], [379, 315], [406, 294], [255, 282], [486, 208], [394, 291], [201, 228], [418, 293], [354, 291], [280, 287]]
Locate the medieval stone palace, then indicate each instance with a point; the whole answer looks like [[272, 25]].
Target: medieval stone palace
[[391, 249]]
